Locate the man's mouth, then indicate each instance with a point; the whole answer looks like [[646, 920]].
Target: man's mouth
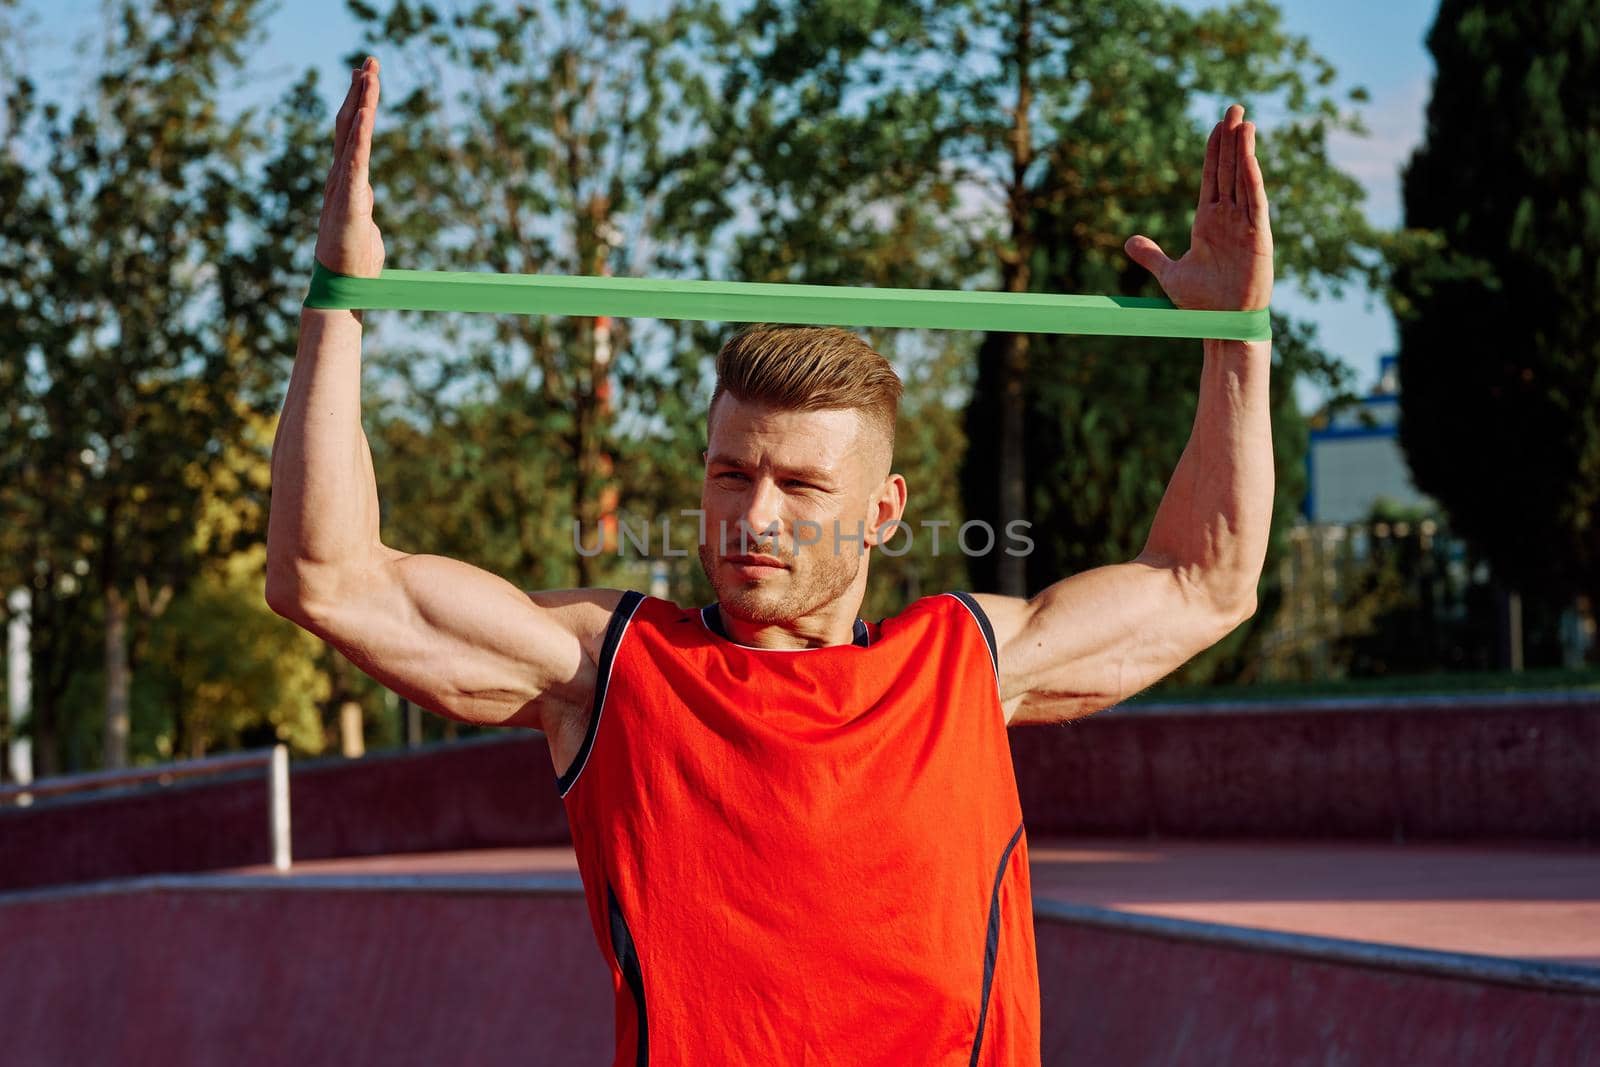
[[755, 566]]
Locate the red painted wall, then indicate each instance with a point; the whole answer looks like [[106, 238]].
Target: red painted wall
[[1526, 771], [168, 979], [250, 976], [1114, 997], [1427, 771]]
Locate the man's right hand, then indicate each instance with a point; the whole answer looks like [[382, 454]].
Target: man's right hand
[[348, 241], [450, 637]]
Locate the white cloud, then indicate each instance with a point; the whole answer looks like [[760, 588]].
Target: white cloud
[[1395, 118]]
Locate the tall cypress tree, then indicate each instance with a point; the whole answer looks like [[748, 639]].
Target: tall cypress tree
[[1498, 296]]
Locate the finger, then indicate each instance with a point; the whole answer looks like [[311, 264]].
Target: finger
[[1208, 177], [346, 130], [360, 146], [1228, 156], [343, 174], [1255, 191], [1148, 255], [365, 117], [1243, 179], [1239, 176], [341, 125], [363, 81]]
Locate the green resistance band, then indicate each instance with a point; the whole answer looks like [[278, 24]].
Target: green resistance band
[[822, 305]]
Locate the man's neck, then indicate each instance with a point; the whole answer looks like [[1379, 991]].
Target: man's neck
[[834, 624]]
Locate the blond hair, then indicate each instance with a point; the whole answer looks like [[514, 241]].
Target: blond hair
[[810, 368]]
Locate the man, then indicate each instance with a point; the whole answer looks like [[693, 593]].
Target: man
[[799, 833]]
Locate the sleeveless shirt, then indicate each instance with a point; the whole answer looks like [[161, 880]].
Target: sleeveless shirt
[[806, 857]]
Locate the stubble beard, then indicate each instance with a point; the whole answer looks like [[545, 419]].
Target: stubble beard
[[815, 578]]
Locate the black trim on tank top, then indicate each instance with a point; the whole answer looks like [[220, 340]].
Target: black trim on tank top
[[628, 959], [712, 616], [983, 624], [608, 649], [991, 946]]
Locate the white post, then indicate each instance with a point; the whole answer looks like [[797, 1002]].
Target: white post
[[278, 795], [19, 681]]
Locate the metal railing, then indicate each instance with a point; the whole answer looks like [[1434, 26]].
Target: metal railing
[[274, 759]]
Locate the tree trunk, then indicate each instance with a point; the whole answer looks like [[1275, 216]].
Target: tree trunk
[[1011, 575], [583, 495], [1577, 633], [49, 620], [351, 744], [46, 748], [117, 680], [1510, 602], [17, 653]]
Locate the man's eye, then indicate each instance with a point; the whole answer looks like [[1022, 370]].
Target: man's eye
[[794, 483], [727, 475]]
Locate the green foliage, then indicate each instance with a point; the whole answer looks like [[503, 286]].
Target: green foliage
[[148, 313], [534, 144], [242, 675], [1497, 294], [863, 151], [480, 481], [936, 370], [1107, 418]]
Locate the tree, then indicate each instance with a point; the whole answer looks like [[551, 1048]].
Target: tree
[[156, 304], [531, 142], [1497, 295], [1015, 144], [1106, 418], [222, 668]]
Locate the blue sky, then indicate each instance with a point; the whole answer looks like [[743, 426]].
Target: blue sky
[[1378, 45]]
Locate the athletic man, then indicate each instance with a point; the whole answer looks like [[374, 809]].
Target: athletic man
[[798, 832]]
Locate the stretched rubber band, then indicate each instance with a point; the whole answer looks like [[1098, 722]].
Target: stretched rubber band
[[819, 305]]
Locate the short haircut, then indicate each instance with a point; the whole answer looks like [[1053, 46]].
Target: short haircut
[[810, 368]]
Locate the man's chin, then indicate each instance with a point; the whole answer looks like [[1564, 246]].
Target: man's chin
[[761, 600]]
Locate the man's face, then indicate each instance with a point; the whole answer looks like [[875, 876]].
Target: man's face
[[788, 476]]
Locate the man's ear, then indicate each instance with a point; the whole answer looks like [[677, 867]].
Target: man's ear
[[889, 504]]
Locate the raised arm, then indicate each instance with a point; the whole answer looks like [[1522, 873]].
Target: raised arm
[[1096, 638], [454, 639]]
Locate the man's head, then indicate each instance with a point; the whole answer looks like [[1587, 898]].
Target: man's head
[[801, 438]]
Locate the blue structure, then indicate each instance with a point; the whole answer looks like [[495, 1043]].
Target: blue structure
[[1356, 459]]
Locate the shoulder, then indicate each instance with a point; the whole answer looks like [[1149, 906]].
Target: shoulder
[[584, 613], [982, 608], [972, 612]]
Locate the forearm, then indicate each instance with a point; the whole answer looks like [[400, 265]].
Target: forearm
[[324, 513], [1216, 515]]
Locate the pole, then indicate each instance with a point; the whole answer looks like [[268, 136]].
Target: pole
[[278, 806]]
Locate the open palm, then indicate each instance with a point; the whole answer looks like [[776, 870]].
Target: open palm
[[348, 240], [1228, 266]]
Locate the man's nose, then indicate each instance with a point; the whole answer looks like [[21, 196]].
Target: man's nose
[[762, 514]]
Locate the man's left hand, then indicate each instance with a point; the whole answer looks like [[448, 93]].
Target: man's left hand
[[1229, 263]]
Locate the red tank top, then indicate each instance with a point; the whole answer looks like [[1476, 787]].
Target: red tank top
[[806, 857]]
